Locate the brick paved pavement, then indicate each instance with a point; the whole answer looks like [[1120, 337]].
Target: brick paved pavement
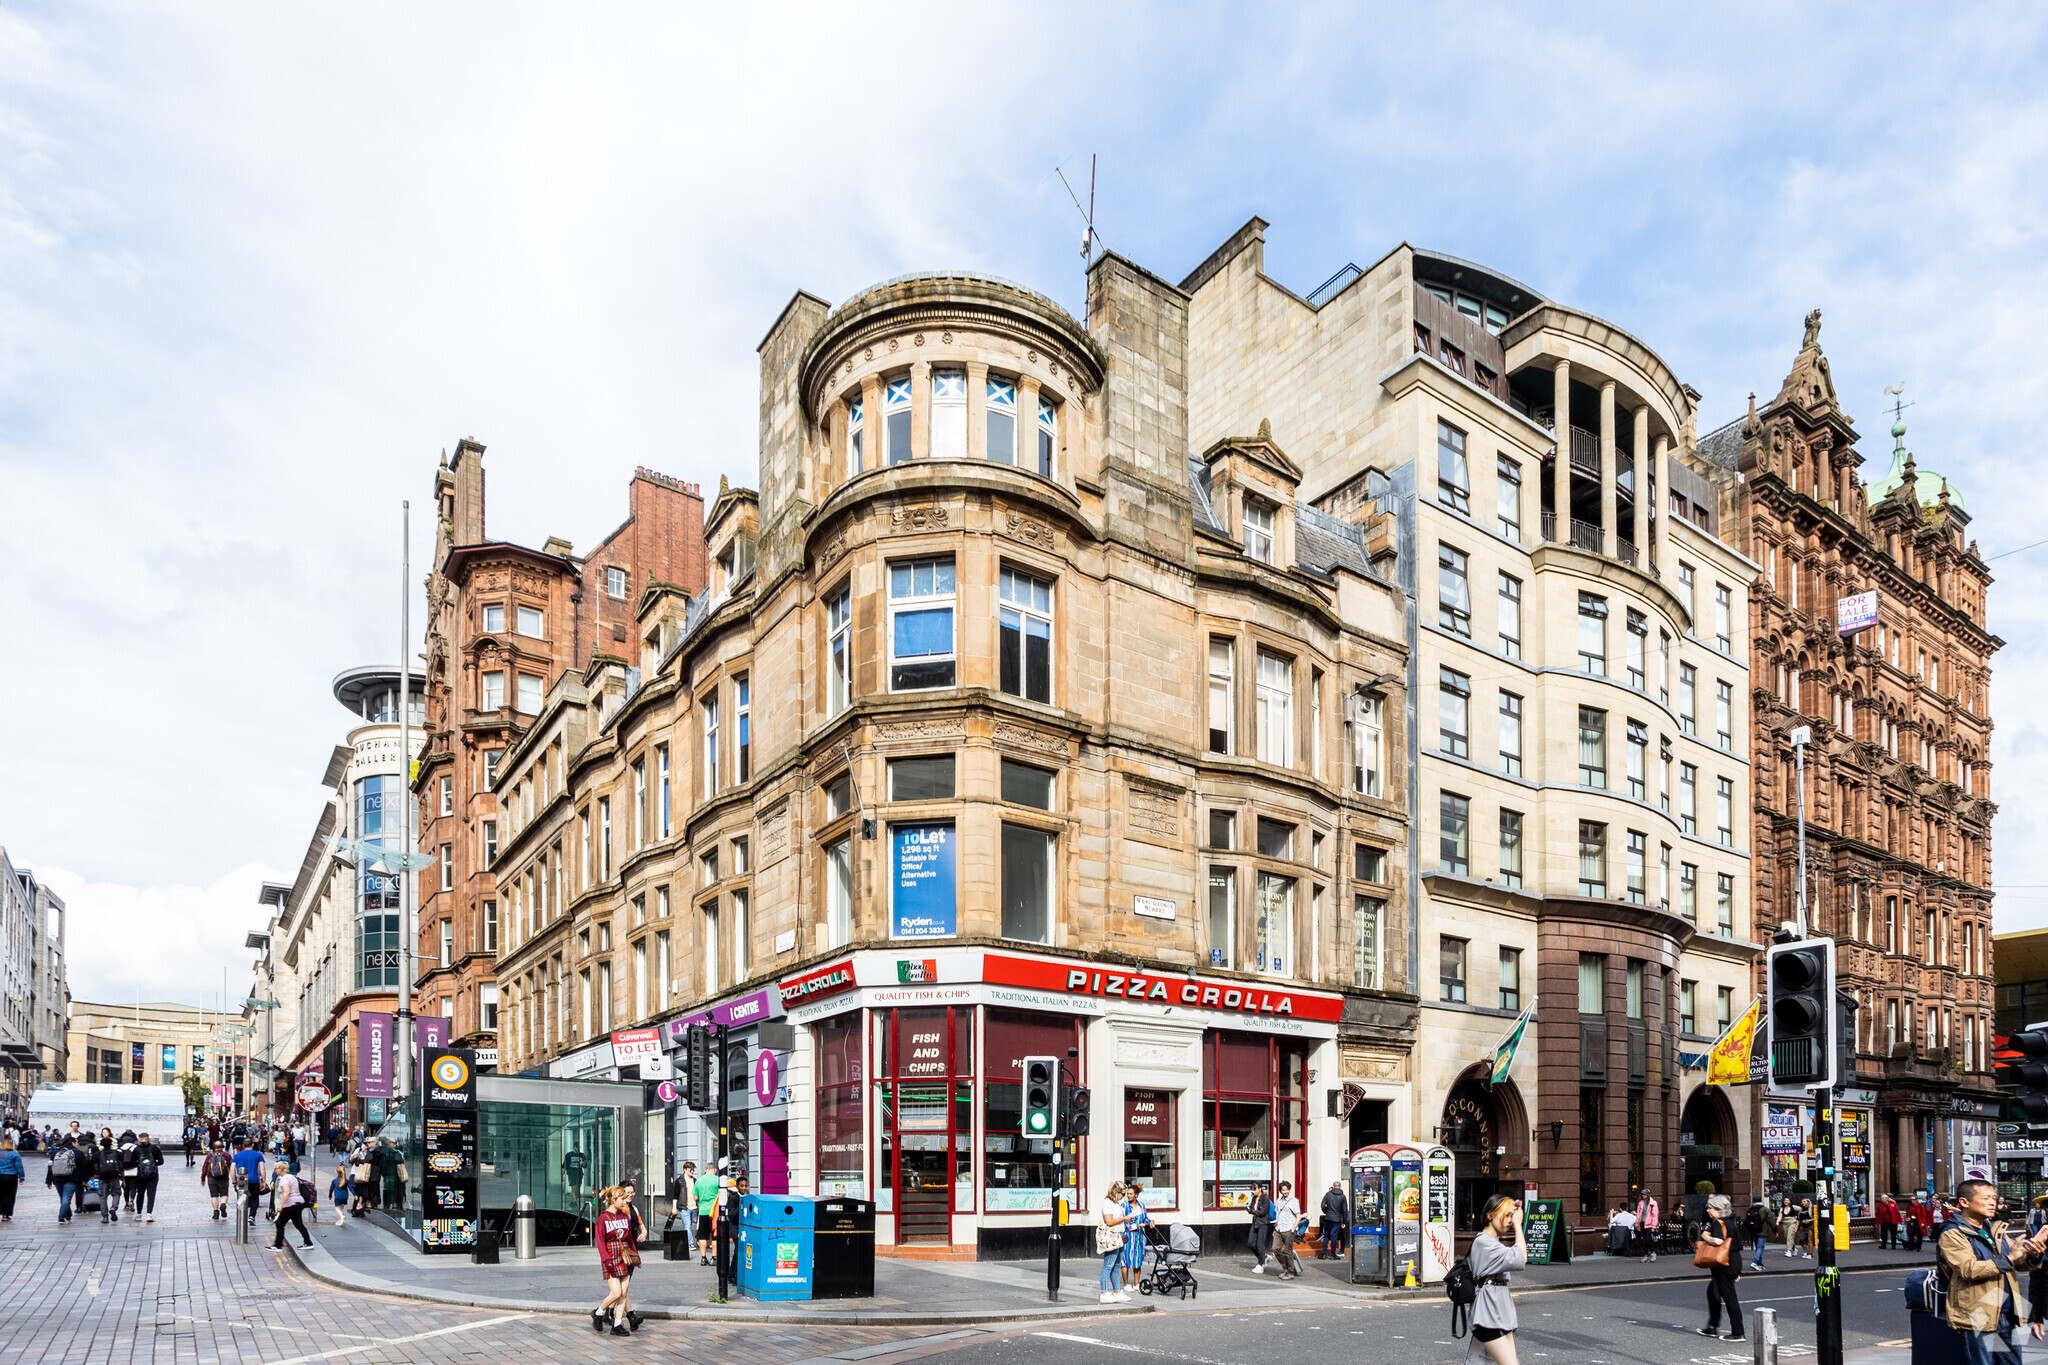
[[181, 1291]]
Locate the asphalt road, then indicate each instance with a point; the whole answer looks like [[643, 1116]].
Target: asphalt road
[[1650, 1324]]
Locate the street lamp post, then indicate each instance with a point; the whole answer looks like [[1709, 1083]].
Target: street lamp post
[[402, 1086]]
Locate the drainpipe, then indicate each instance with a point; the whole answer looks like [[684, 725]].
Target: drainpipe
[[1400, 499]]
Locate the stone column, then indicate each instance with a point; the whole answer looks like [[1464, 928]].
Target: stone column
[[1608, 468], [1561, 475], [1027, 423], [1665, 564], [921, 410], [870, 425], [1641, 531], [977, 411]]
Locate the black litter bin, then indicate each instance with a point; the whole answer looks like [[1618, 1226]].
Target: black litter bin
[[843, 1262]]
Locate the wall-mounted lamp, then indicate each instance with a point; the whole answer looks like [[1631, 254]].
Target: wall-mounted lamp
[[1556, 1134]]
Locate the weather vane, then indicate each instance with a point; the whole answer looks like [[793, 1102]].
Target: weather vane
[[1899, 405]]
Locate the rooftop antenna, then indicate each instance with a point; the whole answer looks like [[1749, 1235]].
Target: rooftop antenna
[[1088, 234]]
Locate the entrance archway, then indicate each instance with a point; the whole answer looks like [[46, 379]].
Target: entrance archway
[[1487, 1129], [1707, 1139]]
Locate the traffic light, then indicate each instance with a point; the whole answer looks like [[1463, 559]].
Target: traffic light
[[1804, 1035], [1074, 1103], [1041, 1097], [2023, 1071], [697, 1047]]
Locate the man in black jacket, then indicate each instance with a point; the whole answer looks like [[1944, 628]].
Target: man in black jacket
[[108, 1169], [1336, 1220], [149, 1160]]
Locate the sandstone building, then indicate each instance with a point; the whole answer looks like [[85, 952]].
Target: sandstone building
[[504, 622], [1000, 730], [1899, 803]]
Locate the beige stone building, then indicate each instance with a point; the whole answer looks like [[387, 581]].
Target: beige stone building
[[147, 1043], [1579, 697], [1003, 729]]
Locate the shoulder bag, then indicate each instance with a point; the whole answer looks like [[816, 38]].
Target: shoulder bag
[[1108, 1239], [1708, 1255]]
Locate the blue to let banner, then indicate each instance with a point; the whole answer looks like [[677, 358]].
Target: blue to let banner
[[923, 895]]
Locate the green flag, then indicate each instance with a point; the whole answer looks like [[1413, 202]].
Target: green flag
[[1504, 1051]]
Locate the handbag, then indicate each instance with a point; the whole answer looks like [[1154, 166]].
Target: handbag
[[1108, 1239], [629, 1255], [1707, 1256]]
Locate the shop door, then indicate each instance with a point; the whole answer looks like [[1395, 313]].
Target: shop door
[[775, 1158], [924, 1169]]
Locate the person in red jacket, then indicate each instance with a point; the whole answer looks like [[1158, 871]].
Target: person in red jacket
[[617, 1255], [1888, 1219]]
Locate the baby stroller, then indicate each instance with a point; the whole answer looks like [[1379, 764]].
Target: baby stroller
[[1170, 1251]]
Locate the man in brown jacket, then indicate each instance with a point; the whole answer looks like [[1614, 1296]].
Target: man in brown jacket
[[1978, 1259]]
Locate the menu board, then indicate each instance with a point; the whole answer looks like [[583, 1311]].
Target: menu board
[[1407, 1217], [1540, 1226]]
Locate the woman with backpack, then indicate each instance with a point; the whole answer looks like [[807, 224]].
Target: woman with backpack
[[1499, 1249], [108, 1169], [149, 1160], [1720, 1254], [294, 1197]]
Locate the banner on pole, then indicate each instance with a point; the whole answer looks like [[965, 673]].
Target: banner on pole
[[1504, 1051], [1728, 1061]]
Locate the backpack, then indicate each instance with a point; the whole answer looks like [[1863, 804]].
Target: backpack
[[1461, 1287], [145, 1166], [64, 1162], [308, 1193], [110, 1162], [217, 1166]]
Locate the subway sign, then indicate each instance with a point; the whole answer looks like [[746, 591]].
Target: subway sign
[[1188, 992]]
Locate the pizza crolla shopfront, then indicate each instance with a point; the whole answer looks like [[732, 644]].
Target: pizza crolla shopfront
[[913, 1068]]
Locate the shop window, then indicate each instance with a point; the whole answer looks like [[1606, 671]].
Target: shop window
[[1253, 1116], [1149, 1131], [842, 1145], [926, 1135], [1019, 1173]]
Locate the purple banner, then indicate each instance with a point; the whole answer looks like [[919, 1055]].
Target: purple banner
[[748, 1009], [377, 1050], [373, 1055]]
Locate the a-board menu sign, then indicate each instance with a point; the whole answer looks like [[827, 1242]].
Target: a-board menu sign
[[1541, 1225]]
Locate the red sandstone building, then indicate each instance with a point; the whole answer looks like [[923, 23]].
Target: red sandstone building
[[1898, 792], [503, 623]]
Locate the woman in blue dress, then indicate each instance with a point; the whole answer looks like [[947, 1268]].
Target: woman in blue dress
[[1139, 1218]]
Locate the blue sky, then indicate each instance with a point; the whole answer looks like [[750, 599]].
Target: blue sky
[[260, 265]]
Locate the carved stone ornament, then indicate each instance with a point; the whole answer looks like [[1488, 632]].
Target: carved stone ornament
[[1154, 811], [1031, 356], [894, 343], [920, 729], [830, 550], [775, 836], [920, 339], [1023, 737], [870, 353], [922, 516], [1031, 530], [946, 337], [1132, 1052]]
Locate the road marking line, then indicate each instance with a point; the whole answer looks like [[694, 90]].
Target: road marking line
[[401, 1341]]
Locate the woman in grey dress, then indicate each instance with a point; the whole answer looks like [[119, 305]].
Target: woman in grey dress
[[1492, 1257]]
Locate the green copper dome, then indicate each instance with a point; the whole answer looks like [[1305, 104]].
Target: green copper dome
[[1927, 483]]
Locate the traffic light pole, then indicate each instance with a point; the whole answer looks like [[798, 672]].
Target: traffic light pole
[[1827, 1280], [723, 1223]]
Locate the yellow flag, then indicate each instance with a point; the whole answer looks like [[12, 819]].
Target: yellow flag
[[1728, 1059]]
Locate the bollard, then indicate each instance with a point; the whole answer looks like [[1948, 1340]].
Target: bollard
[[1764, 1332], [525, 1229], [241, 1220]]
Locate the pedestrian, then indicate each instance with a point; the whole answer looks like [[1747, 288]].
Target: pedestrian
[[215, 1171], [1756, 1226], [1261, 1234], [338, 1195], [149, 1161], [1788, 1228], [1647, 1218], [1136, 1219], [633, 1212], [1336, 1222], [1499, 1249], [362, 1177], [107, 1167], [1286, 1223], [726, 1225], [682, 1204], [1978, 1257], [616, 1258], [1109, 1243], [67, 1168], [12, 1173], [249, 1163], [1621, 1230], [191, 1144], [129, 1176], [294, 1197], [1720, 1254], [707, 1201]]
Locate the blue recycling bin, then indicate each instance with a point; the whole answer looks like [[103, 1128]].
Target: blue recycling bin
[[777, 1247]]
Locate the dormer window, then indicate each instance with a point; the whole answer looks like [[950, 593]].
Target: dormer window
[[854, 435], [1258, 530], [896, 420], [949, 414], [1002, 421]]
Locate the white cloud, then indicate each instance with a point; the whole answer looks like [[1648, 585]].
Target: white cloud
[[130, 943], [258, 266]]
